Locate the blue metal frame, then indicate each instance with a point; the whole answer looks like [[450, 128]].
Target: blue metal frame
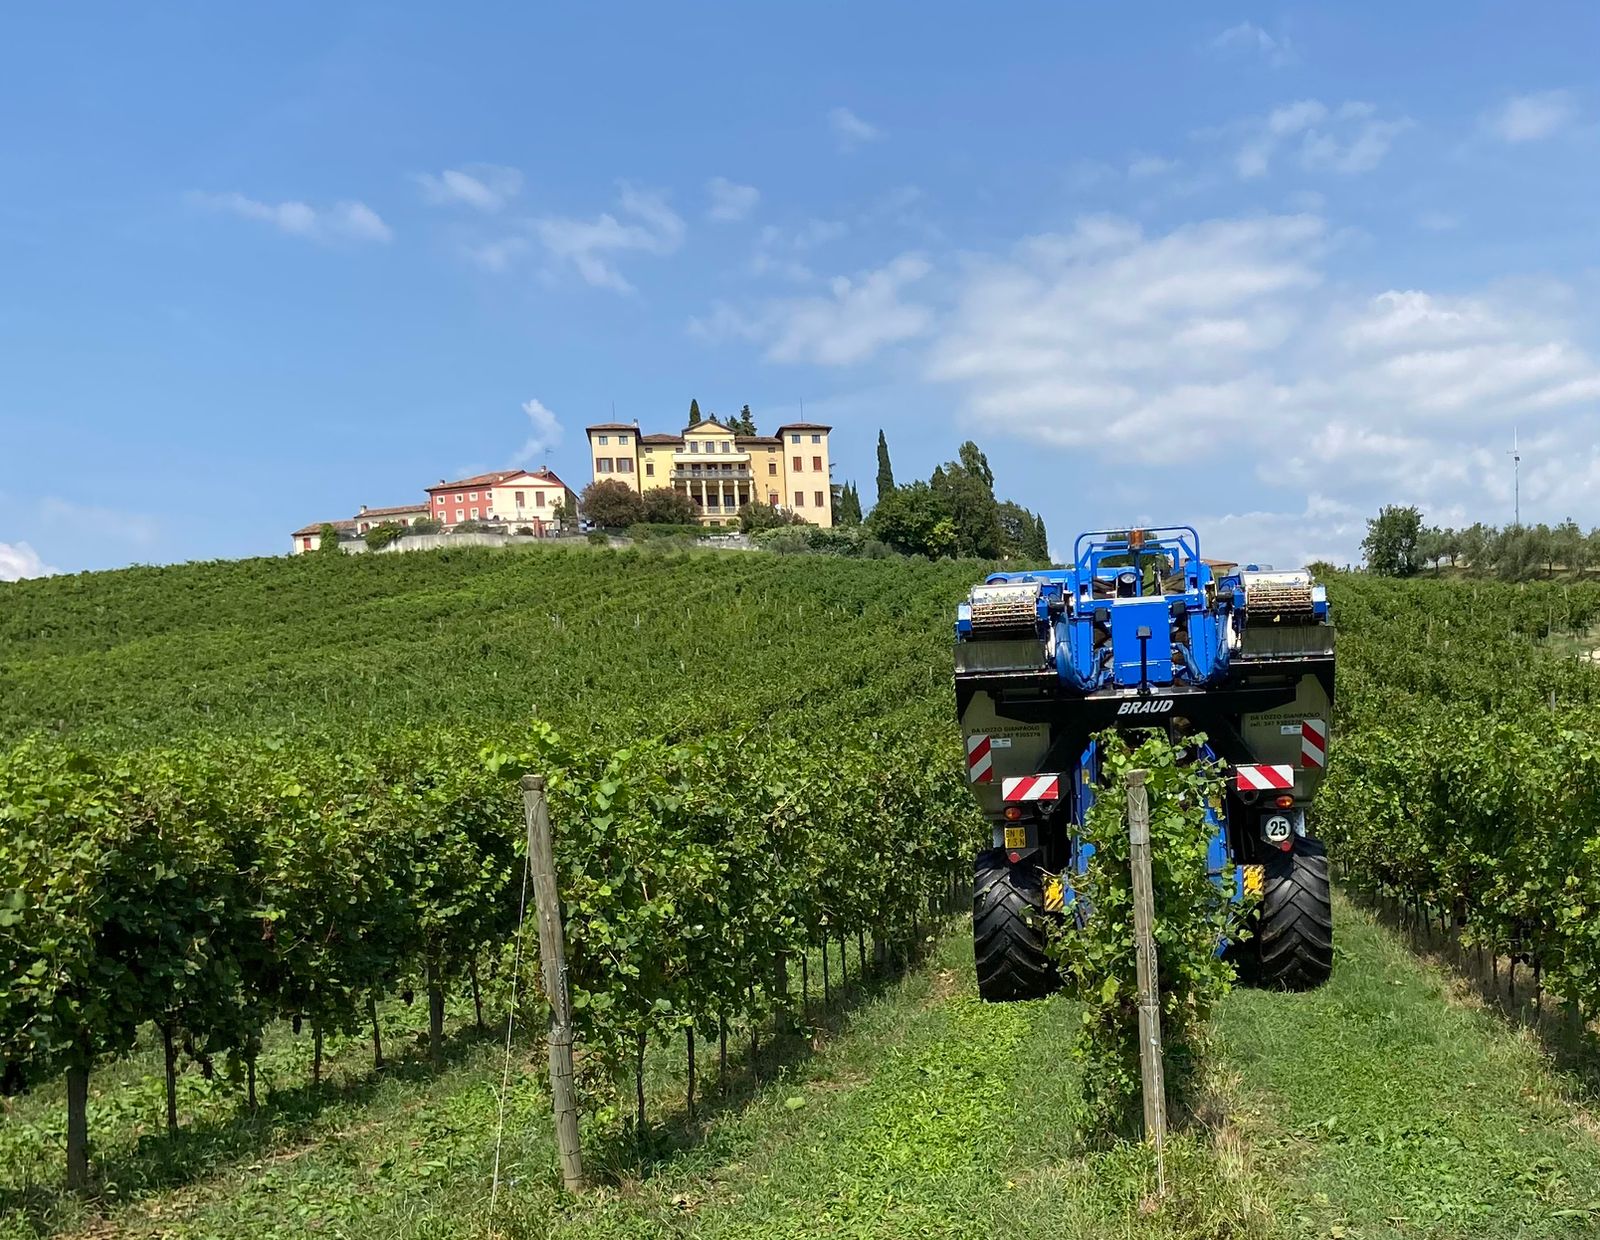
[[1083, 779], [1156, 638]]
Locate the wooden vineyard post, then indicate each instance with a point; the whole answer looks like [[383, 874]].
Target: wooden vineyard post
[[553, 960], [1150, 1061]]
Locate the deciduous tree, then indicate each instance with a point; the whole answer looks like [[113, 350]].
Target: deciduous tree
[[669, 506], [611, 504], [1392, 542]]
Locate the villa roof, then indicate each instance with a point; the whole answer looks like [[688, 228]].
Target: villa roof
[[344, 527]]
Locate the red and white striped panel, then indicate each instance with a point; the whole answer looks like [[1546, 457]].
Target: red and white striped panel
[[980, 761], [1314, 743], [1263, 778], [1031, 788]]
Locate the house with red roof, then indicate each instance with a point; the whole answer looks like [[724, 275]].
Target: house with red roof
[[510, 497]]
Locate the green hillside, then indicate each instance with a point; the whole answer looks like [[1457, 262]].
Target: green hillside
[[753, 760]]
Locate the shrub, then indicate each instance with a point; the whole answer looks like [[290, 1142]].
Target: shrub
[[816, 540], [787, 541], [328, 539], [599, 538], [525, 530], [1193, 916], [469, 527], [382, 534], [756, 517], [425, 525], [643, 531]]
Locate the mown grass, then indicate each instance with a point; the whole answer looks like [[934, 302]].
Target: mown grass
[[1400, 1110], [1381, 1106]]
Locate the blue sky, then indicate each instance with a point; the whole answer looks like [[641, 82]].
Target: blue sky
[[1260, 269]]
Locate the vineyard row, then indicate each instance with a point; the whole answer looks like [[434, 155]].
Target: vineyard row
[[206, 893]]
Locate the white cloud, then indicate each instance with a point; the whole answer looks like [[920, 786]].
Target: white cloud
[[1529, 118], [19, 560], [850, 130], [1218, 351], [856, 318], [1438, 221], [1249, 37], [1141, 167], [485, 187], [649, 226], [1323, 529], [343, 221], [544, 431], [499, 255], [136, 528], [1349, 139], [730, 201]]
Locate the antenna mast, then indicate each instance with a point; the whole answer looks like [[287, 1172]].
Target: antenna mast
[[1516, 480]]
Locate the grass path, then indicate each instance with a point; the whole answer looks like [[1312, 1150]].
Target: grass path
[[1405, 1108], [1381, 1106]]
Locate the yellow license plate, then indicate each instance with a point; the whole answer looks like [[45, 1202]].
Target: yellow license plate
[[1016, 837]]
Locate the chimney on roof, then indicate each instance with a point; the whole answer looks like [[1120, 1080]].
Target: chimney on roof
[[363, 509]]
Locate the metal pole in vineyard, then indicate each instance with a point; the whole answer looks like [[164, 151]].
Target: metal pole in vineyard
[[1150, 1061], [553, 959]]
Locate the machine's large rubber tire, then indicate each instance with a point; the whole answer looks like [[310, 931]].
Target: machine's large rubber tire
[[1008, 931], [1294, 929]]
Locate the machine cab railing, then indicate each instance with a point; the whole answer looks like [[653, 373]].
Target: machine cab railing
[[1139, 563]]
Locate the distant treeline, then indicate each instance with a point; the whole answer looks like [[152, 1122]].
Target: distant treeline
[[1399, 544]]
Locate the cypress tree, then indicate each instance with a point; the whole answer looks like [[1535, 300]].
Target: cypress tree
[[694, 412], [847, 508], [885, 470]]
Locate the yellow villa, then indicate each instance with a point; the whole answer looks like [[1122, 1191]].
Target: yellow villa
[[719, 470]]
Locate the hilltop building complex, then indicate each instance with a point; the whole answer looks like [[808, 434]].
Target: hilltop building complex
[[721, 471]]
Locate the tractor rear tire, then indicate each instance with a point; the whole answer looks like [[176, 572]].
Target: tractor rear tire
[[1009, 931], [1294, 927]]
